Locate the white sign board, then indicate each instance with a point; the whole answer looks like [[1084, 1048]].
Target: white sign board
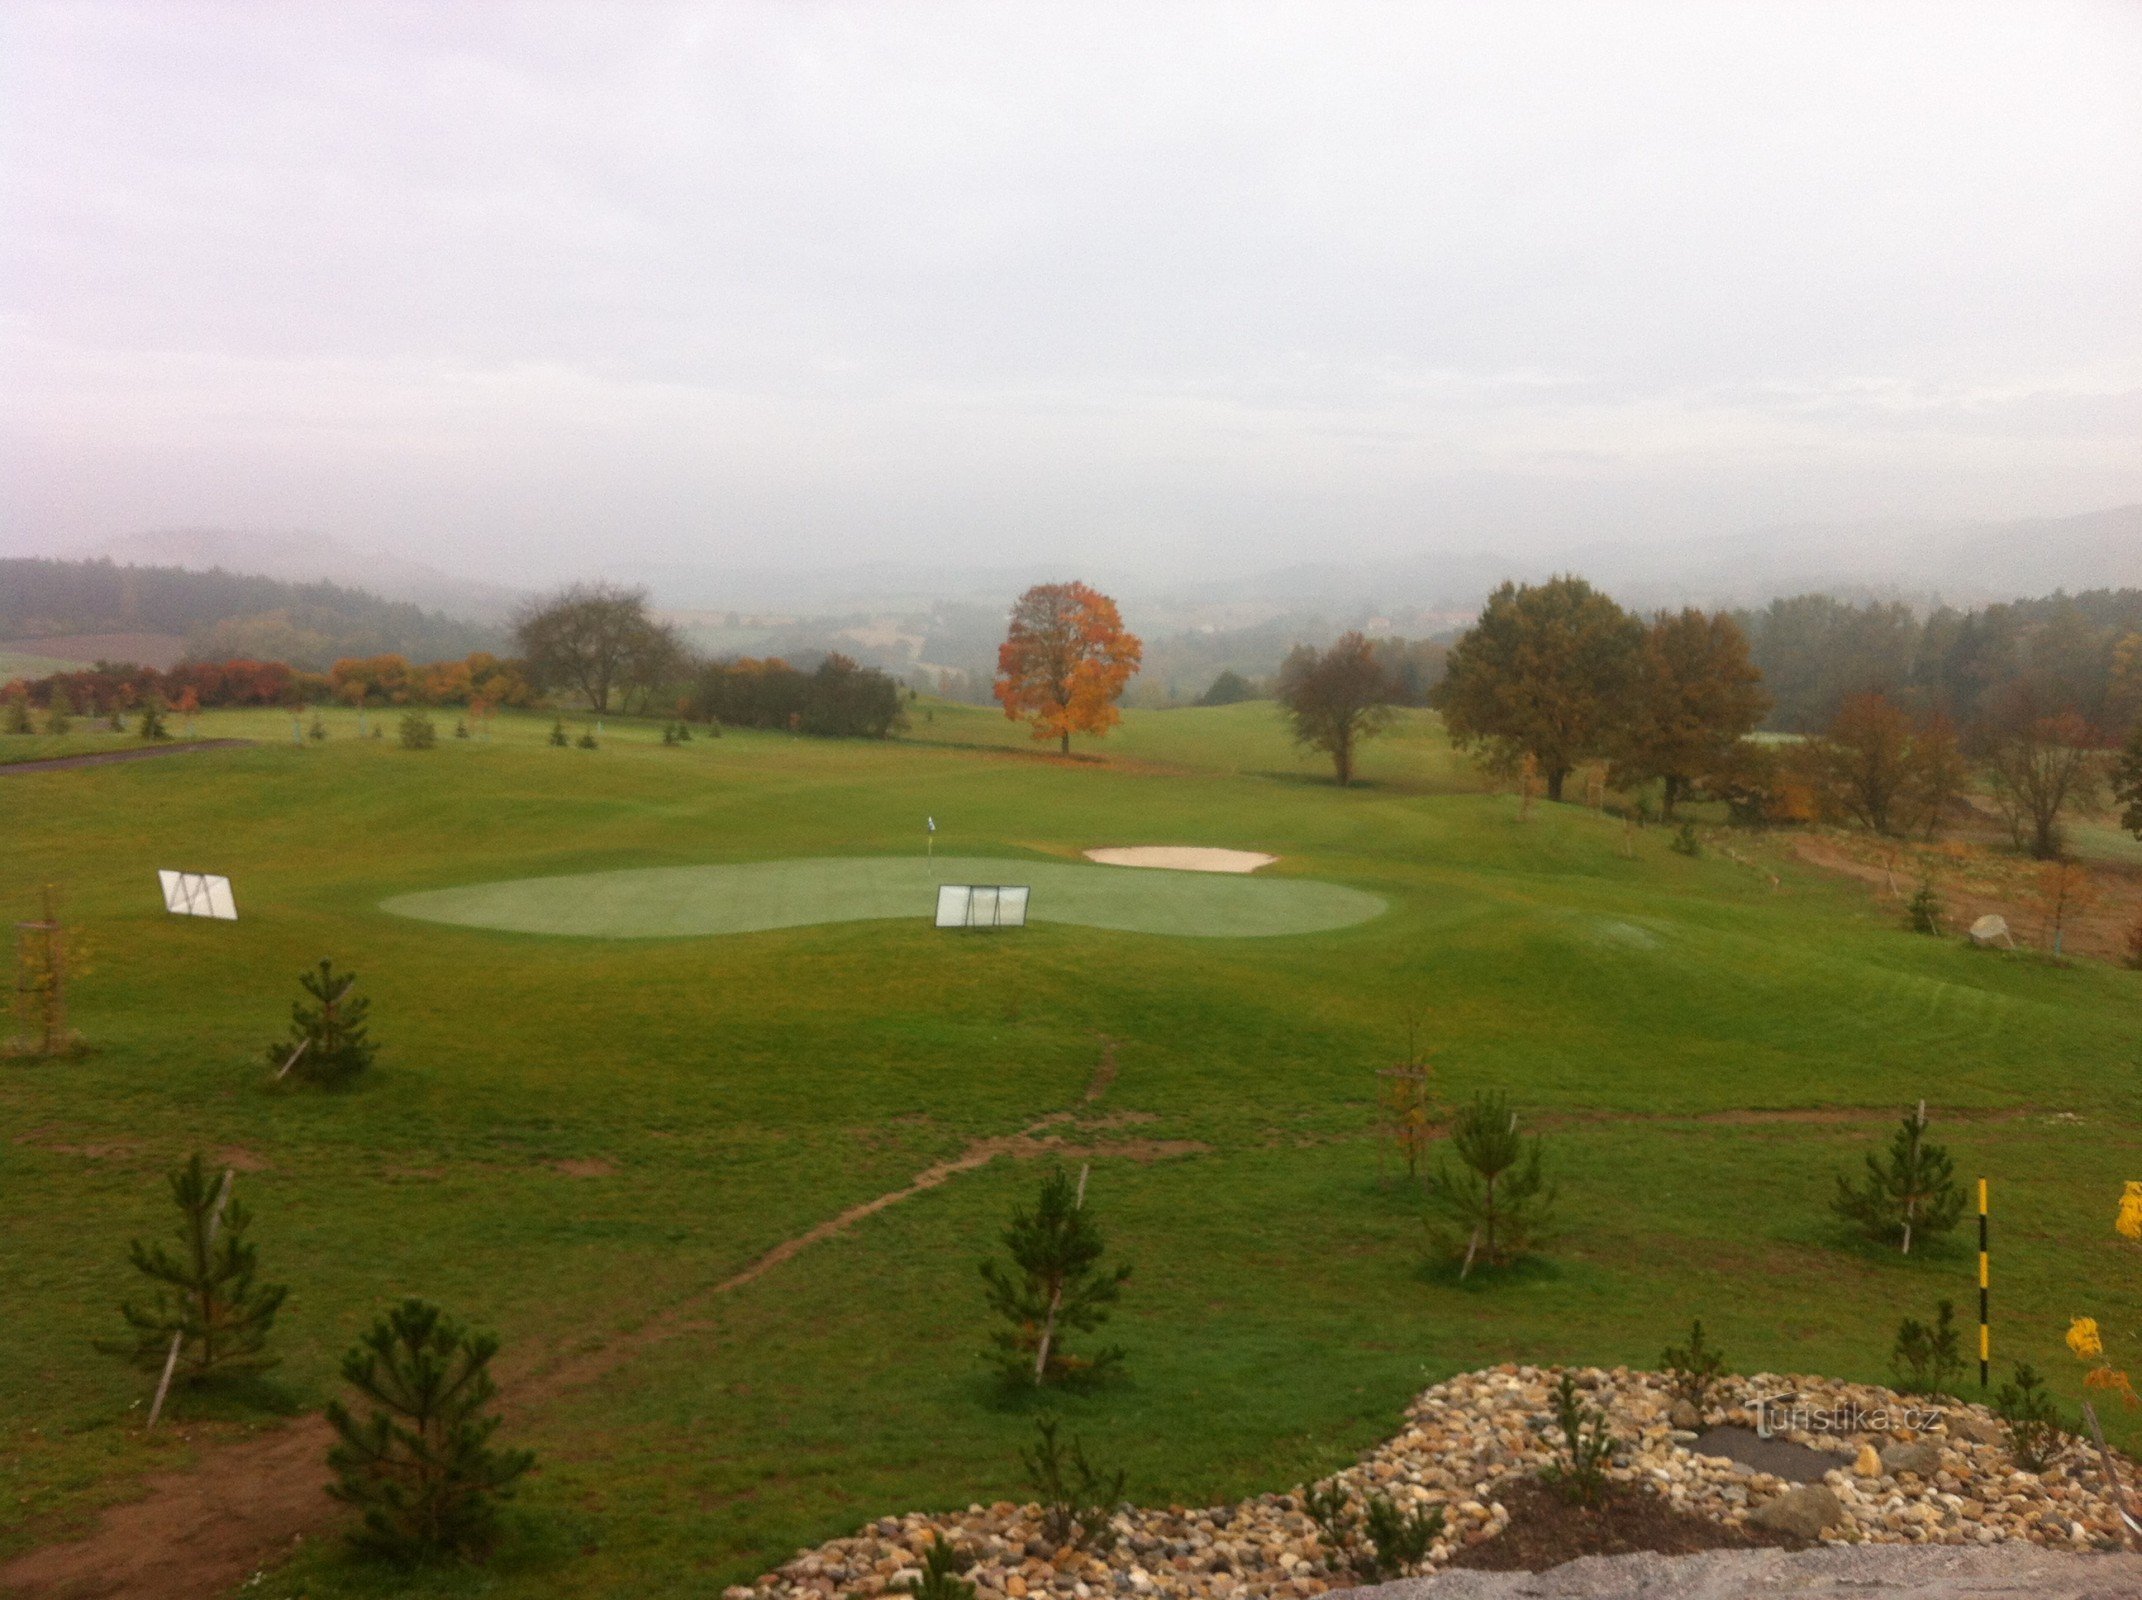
[[198, 894], [981, 905]]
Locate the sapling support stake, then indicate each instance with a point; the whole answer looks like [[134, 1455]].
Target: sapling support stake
[[215, 1224], [2129, 1527], [1056, 1300]]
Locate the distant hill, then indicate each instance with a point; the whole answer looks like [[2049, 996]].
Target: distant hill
[[309, 559], [155, 614]]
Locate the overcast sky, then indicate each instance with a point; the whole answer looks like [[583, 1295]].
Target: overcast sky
[[536, 290]]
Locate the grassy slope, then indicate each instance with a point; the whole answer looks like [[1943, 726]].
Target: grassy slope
[[748, 1087]]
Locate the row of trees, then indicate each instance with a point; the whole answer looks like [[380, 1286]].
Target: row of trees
[[1553, 675]]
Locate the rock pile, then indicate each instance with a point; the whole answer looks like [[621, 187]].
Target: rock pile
[[1908, 1471]]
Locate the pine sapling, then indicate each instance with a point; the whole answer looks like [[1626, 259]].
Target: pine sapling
[[1580, 1473], [1693, 1369], [208, 1316], [1928, 1359], [2035, 1431], [1378, 1542], [558, 737], [152, 718], [1496, 1203], [419, 1466], [330, 1042], [1914, 1196], [1054, 1287], [941, 1569], [1923, 914], [1077, 1499]]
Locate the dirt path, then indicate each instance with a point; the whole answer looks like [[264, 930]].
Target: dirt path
[[246, 1505], [104, 758]]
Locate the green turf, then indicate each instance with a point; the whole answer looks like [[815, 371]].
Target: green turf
[[565, 1136], [672, 902]]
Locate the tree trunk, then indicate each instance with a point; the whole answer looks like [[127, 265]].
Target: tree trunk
[[1555, 775], [1672, 793], [1342, 761], [1065, 747]]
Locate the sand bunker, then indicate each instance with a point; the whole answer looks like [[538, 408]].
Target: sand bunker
[[1181, 858]]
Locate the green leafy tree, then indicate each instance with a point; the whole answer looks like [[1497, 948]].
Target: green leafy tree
[[1911, 1195], [330, 1040], [1697, 695], [15, 714], [1054, 1286], [1550, 670], [419, 1465], [1495, 1203], [418, 732], [59, 711], [206, 1299], [1336, 698], [1229, 688]]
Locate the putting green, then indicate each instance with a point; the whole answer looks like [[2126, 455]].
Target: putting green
[[679, 902]]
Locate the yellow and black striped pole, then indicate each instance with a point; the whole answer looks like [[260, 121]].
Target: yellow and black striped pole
[[1985, 1331]]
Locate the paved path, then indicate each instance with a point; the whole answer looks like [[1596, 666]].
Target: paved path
[[99, 758], [1863, 1572]]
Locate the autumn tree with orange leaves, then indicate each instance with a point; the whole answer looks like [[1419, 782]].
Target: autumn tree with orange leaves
[[1065, 661]]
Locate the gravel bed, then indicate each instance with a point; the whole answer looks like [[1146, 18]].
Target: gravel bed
[[1949, 1480]]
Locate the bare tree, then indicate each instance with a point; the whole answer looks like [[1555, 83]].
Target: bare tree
[[598, 640], [1336, 698]]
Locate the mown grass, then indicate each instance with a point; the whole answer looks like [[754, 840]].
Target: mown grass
[[743, 1088]]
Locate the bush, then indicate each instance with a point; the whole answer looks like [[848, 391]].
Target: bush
[[152, 718], [586, 741], [558, 740], [838, 699], [1685, 841], [417, 731], [16, 718], [1055, 1286], [1913, 1195], [330, 1042], [420, 1466], [1927, 1359], [206, 1298], [1693, 1369], [1077, 1499], [2035, 1431], [317, 732], [1494, 1206]]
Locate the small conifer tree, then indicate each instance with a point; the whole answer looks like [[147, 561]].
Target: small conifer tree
[[1913, 1195], [1077, 1498], [2035, 1431], [417, 731], [16, 718], [329, 1042], [558, 737], [1693, 1369], [1054, 1286], [940, 1578], [1495, 1204], [1928, 1358], [1924, 912], [587, 740], [206, 1299], [420, 1466], [317, 730], [152, 718]]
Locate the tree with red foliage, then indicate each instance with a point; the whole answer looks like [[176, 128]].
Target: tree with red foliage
[[1065, 661]]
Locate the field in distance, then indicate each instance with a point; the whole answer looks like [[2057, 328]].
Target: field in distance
[[569, 1139]]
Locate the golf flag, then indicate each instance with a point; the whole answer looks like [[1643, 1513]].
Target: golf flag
[[932, 821]]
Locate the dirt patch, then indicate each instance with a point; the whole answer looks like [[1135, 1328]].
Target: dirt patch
[[1545, 1530], [43, 1139], [585, 1167], [1120, 1119], [240, 1159], [104, 758], [1972, 880]]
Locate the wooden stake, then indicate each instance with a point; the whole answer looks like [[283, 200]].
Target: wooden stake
[[215, 1224], [1056, 1300], [2128, 1525]]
